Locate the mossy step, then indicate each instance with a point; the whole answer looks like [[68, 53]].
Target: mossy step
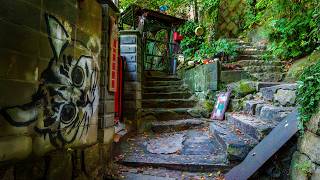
[[175, 125], [251, 51], [263, 68], [258, 63], [250, 125], [168, 95], [168, 103], [236, 144], [165, 89], [166, 114], [162, 83], [267, 76]]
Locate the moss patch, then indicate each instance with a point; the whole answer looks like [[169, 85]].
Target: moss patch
[[298, 66]]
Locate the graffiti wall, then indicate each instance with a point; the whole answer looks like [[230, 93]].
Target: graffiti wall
[[54, 89], [68, 93]]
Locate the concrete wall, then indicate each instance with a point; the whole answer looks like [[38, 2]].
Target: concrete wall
[[201, 79], [305, 162], [52, 76], [130, 48]]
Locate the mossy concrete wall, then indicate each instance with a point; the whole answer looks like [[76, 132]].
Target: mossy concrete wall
[[202, 78], [305, 162], [56, 116]]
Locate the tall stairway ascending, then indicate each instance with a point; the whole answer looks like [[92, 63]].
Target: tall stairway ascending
[[178, 145]]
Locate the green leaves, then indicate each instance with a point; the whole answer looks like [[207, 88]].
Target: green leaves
[[308, 93]]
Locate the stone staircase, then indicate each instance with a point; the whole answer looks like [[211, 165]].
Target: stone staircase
[[177, 145], [250, 59]]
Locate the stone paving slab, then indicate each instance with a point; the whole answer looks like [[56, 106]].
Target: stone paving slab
[[200, 151], [254, 127]]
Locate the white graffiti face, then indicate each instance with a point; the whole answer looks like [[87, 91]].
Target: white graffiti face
[[68, 93]]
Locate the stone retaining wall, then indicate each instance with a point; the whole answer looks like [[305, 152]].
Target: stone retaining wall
[[305, 162], [201, 79], [56, 116]]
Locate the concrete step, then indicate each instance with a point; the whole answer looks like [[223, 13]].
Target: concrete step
[[258, 63], [175, 125], [236, 144], [251, 51], [250, 125], [267, 76], [162, 78], [162, 83], [164, 89], [190, 150], [168, 103], [168, 95], [262, 68], [165, 114], [249, 57]]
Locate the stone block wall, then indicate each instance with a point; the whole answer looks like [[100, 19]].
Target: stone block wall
[[305, 162], [130, 48], [201, 79], [55, 113]]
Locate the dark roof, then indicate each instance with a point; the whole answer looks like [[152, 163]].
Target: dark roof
[[136, 11]]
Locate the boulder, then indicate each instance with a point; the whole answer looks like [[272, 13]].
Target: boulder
[[301, 167], [309, 144], [271, 113], [316, 174], [285, 97], [268, 92], [314, 124], [242, 88]]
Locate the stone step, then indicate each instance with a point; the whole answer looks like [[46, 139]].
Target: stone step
[[249, 57], [162, 78], [244, 63], [250, 125], [162, 83], [253, 107], [165, 114], [262, 68], [165, 89], [269, 92], [168, 103], [273, 113], [191, 150], [236, 144], [175, 125], [251, 51], [262, 84], [169, 95], [267, 76]]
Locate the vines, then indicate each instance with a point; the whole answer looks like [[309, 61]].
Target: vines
[[308, 93]]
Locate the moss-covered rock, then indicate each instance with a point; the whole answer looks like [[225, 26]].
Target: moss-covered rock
[[243, 88], [298, 66]]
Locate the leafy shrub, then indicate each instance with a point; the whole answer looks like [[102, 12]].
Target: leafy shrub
[[190, 43], [308, 93], [292, 26]]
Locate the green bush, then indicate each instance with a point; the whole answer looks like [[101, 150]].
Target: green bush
[[308, 93], [291, 26]]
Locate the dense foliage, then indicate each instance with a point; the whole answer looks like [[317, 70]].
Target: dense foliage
[[291, 26], [308, 93]]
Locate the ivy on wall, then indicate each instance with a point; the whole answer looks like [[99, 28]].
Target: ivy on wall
[[308, 93]]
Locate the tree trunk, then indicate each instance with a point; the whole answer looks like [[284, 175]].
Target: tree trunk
[[196, 11]]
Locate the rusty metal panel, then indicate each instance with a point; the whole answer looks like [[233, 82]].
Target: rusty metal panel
[[265, 149]]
